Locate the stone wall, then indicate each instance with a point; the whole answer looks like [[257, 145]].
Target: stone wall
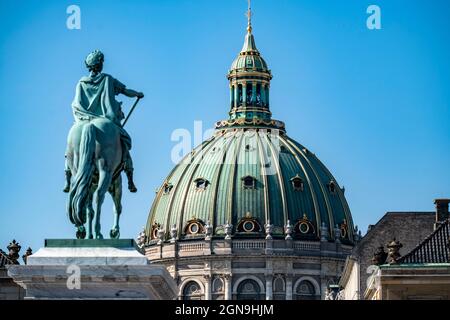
[[410, 228], [9, 290], [413, 283]]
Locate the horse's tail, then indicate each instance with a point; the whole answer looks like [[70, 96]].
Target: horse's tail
[[80, 187]]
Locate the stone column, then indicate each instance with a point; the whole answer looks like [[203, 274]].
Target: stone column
[[288, 287], [323, 286], [228, 293], [254, 92], [207, 287], [263, 94], [269, 280], [244, 94], [231, 96], [236, 94]]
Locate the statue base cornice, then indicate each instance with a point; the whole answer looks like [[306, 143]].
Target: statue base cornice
[[92, 269]]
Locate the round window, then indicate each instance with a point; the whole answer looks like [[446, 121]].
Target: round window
[[155, 233], [194, 228], [303, 227], [248, 226]]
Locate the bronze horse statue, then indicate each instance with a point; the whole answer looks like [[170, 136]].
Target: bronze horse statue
[[94, 156], [97, 150]]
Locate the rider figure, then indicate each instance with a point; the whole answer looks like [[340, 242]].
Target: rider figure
[[95, 97]]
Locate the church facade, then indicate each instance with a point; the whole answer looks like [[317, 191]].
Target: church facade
[[250, 213]]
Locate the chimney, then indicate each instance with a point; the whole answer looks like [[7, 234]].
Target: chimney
[[441, 210]]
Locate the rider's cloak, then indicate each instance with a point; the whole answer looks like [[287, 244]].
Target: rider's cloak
[[95, 97]]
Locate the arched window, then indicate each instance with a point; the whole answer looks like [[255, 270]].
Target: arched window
[[267, 95], [258, 95], [249, 290], [240, 96], [297, 183], [305, 291], [332, 187], [192, 291], [278, 289], [263, 95], [217, 289], [249, 93]]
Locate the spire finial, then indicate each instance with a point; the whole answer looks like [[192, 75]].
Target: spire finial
[[249, 17]]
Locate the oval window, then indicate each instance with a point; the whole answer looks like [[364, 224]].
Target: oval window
[[248, 226], [303, 227], [194, 228]]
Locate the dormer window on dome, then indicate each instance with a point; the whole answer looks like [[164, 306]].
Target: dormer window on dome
[[249, 182], [194, 227], [297, 183], [304, 228], [344, 229], [332, 187], [167, 188], [154, 231], [248, 224], [201, 183]]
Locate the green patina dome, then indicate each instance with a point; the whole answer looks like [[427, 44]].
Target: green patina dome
[[250, 175]]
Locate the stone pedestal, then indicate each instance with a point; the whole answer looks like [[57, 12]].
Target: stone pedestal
[[92, 269]]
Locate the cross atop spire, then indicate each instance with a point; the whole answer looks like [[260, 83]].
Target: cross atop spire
[[249, 17]]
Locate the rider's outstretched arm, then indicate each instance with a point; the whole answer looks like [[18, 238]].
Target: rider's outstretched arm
[[131, 93]]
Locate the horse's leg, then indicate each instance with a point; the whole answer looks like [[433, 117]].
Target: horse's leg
[[90, 215], [116, 193], [104, 181]]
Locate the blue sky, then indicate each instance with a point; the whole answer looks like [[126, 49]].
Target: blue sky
[[374, 105]]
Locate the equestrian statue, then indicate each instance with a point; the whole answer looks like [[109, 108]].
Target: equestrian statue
[[98, 149]]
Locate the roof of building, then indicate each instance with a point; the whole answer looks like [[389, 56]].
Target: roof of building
[[408, 226], [433, 249], [383, 227], [212, 186], [249, 58]]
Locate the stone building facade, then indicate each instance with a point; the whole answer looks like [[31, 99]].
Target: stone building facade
[[9, 290], [258, 269], [423, 273], [410, 228]]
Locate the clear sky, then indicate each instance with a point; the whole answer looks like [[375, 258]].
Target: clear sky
[[374, 105]]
